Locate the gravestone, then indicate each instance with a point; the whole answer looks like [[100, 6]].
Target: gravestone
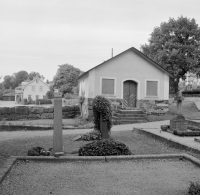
[[57, 132], [103, 128], [178, 123]]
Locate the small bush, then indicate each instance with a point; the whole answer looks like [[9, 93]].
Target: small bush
[[164, 127], [93, 135], [193, 128], [70, 96], [19, 99], [24, 101], [187, 133], [194, 91], [39, 151], [194, 189], [50, 95], [43, 101], [102, 105], [105, 147]]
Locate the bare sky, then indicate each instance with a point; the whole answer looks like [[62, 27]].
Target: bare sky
[[39, 35]]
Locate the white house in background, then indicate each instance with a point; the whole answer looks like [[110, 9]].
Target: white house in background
[[35, 89], [130, 78]]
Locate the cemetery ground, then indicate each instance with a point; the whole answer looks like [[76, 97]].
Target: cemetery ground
[[119, 177], [114, 177]]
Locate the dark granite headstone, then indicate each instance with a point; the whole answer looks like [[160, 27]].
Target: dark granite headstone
[[103, 128]]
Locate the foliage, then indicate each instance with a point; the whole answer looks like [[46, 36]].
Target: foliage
[[105, 147], [39, 151], [81, 99], [192, 128], [66, 78], [194, 91], [43, 101], [175, 45], [32, 75], [12, 81], [50, 94], [18, 78], [102, 105], [194, 189], [19, 99], [165, 127], [75, 90], [93, 135], [1, 94], [187, 133], [70, 96], [7, 82], [24, 101]]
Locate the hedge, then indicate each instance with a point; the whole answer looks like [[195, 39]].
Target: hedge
[[43, 101], [188, 133]]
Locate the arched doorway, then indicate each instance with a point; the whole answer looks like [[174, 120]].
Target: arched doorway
[[129, 94]]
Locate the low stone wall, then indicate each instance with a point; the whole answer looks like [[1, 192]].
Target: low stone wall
[[25, 112], [156, 107]]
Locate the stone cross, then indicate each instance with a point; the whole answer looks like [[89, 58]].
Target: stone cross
[[57, 132], [103, 128]]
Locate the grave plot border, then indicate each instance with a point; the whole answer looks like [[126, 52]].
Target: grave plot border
[[4, 171]]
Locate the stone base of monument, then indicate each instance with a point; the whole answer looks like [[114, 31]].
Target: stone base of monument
[[197, 140], [178, 124]]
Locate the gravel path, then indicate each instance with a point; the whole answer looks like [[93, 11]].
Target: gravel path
[[166, 177], [8, 135]]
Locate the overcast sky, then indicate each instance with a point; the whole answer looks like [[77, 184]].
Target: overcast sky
[[39, 35]]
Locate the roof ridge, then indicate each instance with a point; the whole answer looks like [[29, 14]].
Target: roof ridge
[[136, 51]]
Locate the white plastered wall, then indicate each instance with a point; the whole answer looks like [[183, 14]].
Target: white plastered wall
[[28, 90]]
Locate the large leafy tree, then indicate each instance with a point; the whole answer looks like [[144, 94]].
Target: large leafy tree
[[66, 78], [7, 83], [18, 78], [175, 45], [32, 75]]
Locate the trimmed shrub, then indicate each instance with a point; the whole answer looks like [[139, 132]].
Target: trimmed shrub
[[194, 91], [187, 133], [102, 105], [193, 128], [43, 101], [50, 95], [164, 127], [39, 151], [194, 189], [105, 147], [70, 96], [24, 101], [93, 135]]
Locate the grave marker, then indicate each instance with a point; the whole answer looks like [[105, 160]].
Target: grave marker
[[57, 132], [103, 128]]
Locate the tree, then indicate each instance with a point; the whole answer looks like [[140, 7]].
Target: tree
[[32, 75], [66, 78], [7, 81], [50, 94], [175, 45], [18, 78]]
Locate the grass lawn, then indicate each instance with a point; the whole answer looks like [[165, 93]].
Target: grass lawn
[[138, 144], [147, 177]]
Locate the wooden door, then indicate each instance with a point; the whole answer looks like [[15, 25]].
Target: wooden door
[[129, 94]]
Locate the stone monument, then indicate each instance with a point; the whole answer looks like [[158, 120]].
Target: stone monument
[[57, 132], [178, 123], [103, 128]]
